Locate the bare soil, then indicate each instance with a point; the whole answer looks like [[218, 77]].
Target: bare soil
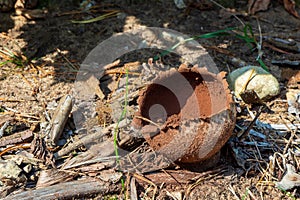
[[52, 48]]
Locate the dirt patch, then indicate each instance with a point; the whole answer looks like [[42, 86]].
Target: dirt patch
[[47, 53]]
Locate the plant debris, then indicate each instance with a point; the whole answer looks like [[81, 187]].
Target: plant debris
[[49, 150]]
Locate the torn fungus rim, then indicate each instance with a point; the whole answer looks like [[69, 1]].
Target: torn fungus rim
[[186, 114]]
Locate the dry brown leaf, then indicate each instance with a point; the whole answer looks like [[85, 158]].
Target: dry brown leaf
[[257, 5], [289, 6]]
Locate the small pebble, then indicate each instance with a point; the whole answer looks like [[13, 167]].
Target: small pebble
[[253, 84]]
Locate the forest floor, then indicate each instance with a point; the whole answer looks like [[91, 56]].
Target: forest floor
[[40, 58]]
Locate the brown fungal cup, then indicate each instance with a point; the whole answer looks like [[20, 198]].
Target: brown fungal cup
[[187, 115]]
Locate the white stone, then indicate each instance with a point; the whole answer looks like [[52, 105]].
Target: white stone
[[253, 78]]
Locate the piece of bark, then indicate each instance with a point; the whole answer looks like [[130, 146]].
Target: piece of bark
[[93, 168], [15, 138], [53, 176], [2, 129], [79, 188], [89, 138], [96, 152], [60, 118], [178, 177], [133, 191]]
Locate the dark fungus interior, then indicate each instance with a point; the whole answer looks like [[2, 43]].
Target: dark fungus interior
[[190, 94]]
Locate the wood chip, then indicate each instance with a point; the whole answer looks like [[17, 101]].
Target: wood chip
[[66, 190], [15, 138]]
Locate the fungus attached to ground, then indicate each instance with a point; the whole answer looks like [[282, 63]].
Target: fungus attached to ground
[[186, 114]]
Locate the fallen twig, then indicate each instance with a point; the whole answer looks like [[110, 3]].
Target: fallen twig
[[60, 118], [246, 132], [142, 178], [2, 129], [15, 138], [78, 188], [20, 146], [231, 189], [84, 140]]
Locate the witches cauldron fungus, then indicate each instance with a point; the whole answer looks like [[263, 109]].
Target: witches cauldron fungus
[[186, 114]]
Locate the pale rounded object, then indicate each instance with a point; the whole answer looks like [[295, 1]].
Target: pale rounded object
[[253, 78]]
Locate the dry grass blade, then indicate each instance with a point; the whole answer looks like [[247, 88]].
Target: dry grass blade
[[204, 176], [11, 100], [137, 176], [71, 65], [253, 73], [133, 191], [12, 57], [148, 120], [251, 194], [231, 189], [3, 127], [19, 115], [99, 18], [289, 142], [14, 148]]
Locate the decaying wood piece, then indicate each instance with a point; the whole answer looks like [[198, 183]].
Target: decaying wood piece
[[5, 125], [89, 139], [179, 177], [53, 176], [136, 162], [16, 138], [39, 149], [78, 188], [282, 44], [84, 140], [133, 191], [95, 167], [97, 153], [60, 118], [93, 82]]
